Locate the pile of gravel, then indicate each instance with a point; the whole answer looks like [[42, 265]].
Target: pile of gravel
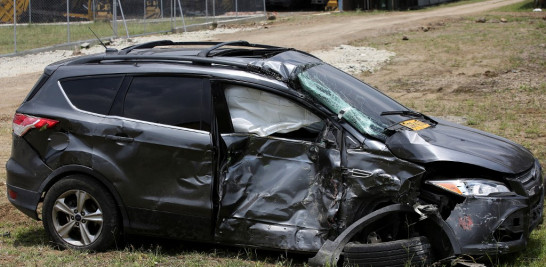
[[354, 59]]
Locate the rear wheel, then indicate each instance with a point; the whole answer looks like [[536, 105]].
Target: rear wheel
[[407, 252], [79, 213]]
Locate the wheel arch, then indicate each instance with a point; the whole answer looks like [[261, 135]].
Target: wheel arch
[[329, 253], [65, 171]]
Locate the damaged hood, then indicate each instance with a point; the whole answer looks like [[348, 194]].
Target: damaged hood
[[452, 142]]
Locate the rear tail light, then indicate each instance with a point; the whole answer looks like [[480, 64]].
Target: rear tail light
[[12, 194], [23, 123]]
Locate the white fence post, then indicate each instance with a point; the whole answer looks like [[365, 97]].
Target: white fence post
[[123, 18], [182, 15]]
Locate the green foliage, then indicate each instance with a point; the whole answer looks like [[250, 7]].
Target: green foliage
[[31, 36], [525, 6]]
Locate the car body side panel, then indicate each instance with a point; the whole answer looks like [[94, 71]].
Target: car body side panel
[[278, 193], [165, 170], [162, 172], [25, 166], [373, 175]]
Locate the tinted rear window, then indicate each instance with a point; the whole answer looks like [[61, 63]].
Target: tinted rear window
[[93, 94], [176, 101]]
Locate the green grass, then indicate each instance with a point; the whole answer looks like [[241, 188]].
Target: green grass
[[41, 35], [453, 3], [525, 6], [28, 245]]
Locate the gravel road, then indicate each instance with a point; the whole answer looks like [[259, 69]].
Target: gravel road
[[317, 32]]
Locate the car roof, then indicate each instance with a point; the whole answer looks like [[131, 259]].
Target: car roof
[[221, 53], [238, 54]]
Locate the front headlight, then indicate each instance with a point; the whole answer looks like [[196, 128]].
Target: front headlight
[[470, 187]]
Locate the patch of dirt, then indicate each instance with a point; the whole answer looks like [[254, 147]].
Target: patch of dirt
[[9, 213]]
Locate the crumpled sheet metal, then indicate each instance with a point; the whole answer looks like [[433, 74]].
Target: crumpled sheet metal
[[473, 221], [373, 177], [450, 142], [276, 194], [283, 65]]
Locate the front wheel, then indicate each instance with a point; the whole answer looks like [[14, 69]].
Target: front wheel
[[79, 213], [407, 252]]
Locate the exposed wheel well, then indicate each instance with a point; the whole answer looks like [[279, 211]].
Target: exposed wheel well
[[405, 225]]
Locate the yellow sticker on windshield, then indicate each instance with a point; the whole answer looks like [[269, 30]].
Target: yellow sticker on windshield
[[415, 125]]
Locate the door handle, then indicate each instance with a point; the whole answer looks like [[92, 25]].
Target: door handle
[[119, 138]]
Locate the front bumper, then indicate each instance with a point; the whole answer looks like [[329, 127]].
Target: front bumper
[[492, 225], [500, 224]]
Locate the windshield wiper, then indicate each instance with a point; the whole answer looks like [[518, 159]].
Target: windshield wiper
[[403, 112], [408, 113]]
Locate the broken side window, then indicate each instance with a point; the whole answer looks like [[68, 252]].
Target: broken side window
[[262, 113]]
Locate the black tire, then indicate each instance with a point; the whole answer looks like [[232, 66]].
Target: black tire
[[414, 251], [79, 213]]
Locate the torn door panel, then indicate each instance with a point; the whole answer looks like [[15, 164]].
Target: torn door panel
[[286, 237], [270, 183]]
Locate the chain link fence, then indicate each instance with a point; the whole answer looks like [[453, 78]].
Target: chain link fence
[[31, 24]]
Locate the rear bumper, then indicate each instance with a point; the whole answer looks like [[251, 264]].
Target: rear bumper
[[25, 174], [26, 201]]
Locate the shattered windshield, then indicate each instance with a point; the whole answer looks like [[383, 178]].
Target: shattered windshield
[[351, 99]]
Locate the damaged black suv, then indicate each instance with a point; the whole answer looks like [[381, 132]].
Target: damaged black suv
[[260, 146]]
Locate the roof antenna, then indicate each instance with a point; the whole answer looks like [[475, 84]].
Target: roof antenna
[[108, 50]]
